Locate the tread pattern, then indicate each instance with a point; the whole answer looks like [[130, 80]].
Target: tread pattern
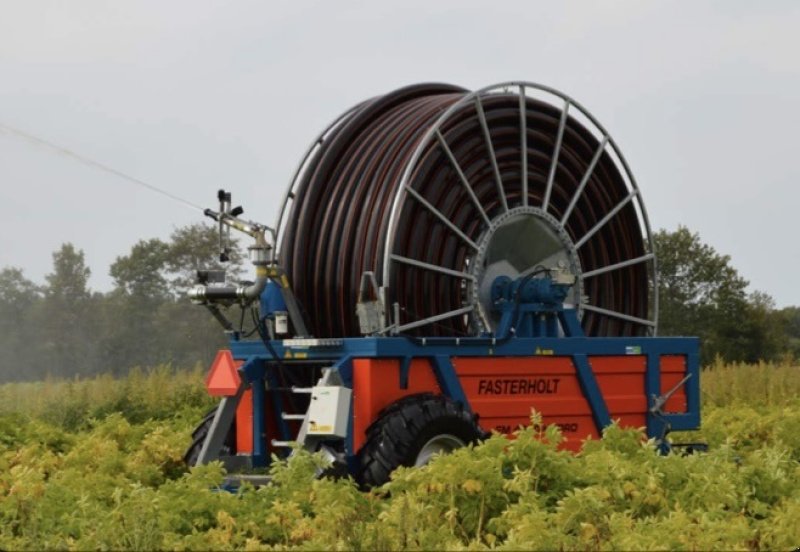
[[199, 437], [402, 428]]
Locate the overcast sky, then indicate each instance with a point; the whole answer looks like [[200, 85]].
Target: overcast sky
[[702, 98]]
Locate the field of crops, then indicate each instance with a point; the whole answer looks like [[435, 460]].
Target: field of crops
[[96, 464]]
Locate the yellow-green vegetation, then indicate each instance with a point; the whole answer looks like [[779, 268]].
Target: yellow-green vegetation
[[96, 464], [763, 384], [162, 393]]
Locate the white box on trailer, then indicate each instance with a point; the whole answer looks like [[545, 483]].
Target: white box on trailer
[[329, 411]]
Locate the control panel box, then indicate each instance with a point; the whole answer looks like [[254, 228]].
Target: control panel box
[[328, 411]]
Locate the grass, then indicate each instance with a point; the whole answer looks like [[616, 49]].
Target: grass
[[158, 393], [762, 384]]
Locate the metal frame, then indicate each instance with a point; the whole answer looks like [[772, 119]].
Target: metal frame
[[607, 144], [440, 351]]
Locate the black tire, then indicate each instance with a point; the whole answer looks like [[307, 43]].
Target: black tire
[[199, 437], [403, 429]]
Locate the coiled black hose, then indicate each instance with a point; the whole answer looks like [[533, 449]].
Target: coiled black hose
[[339, 219]]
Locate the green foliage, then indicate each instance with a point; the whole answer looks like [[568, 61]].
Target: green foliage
[[701, 294], [161, 393], [64, 329], [139, 274], [762, 384], [67, 285], [18, 295], [16, 291], [63, 318], [96, 464], [788, 320], [195, 247]]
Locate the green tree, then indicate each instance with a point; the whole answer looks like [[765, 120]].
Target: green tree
[[702, 294], [67, 316], [18, 297], [149, 319], [196, 247], [141, 273], [768, 329], [63, 328], [130, 337], [68, 284], [789, 322], [194, 335]]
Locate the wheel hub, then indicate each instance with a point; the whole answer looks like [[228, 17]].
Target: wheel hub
[[441, 444], [519, 242]]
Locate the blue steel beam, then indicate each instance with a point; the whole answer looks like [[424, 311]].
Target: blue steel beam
[[592, 392], [398, 347]]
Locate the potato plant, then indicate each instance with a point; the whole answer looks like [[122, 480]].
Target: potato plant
[[96, 464]]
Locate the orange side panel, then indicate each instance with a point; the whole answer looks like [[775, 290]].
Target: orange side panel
[[376, 384], [622, 382], [673, 370], [502, 391], [244, 423]]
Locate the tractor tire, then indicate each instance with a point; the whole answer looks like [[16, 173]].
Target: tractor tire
[[410, 431], [199, 437]]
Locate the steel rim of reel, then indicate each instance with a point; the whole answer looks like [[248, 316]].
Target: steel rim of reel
[[630, 255], [440, 444]]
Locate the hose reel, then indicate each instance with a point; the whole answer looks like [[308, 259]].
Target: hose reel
[[438, 191]]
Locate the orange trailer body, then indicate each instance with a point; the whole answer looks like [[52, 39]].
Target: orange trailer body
[[504, 391], [501, 390]]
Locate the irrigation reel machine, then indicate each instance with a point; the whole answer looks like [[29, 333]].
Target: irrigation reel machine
[[444, 262]]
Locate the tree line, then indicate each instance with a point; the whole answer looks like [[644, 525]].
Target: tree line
[[701, 294], [63, 328]]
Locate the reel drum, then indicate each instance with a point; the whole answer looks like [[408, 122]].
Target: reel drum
[[438, 191]]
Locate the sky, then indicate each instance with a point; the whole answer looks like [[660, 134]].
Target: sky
[[703, 99]]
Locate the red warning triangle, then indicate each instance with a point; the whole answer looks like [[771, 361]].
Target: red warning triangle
[[223, 378]]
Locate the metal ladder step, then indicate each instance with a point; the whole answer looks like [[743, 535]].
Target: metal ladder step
[[301, 437]]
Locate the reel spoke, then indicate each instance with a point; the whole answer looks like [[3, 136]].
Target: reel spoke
[[463, 178], [617, 266], [434, 268], [620, 315], [523, 130], [438, 214], [434, 319], [556, 150], [611, 214], [586, 176], [490, 148]]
